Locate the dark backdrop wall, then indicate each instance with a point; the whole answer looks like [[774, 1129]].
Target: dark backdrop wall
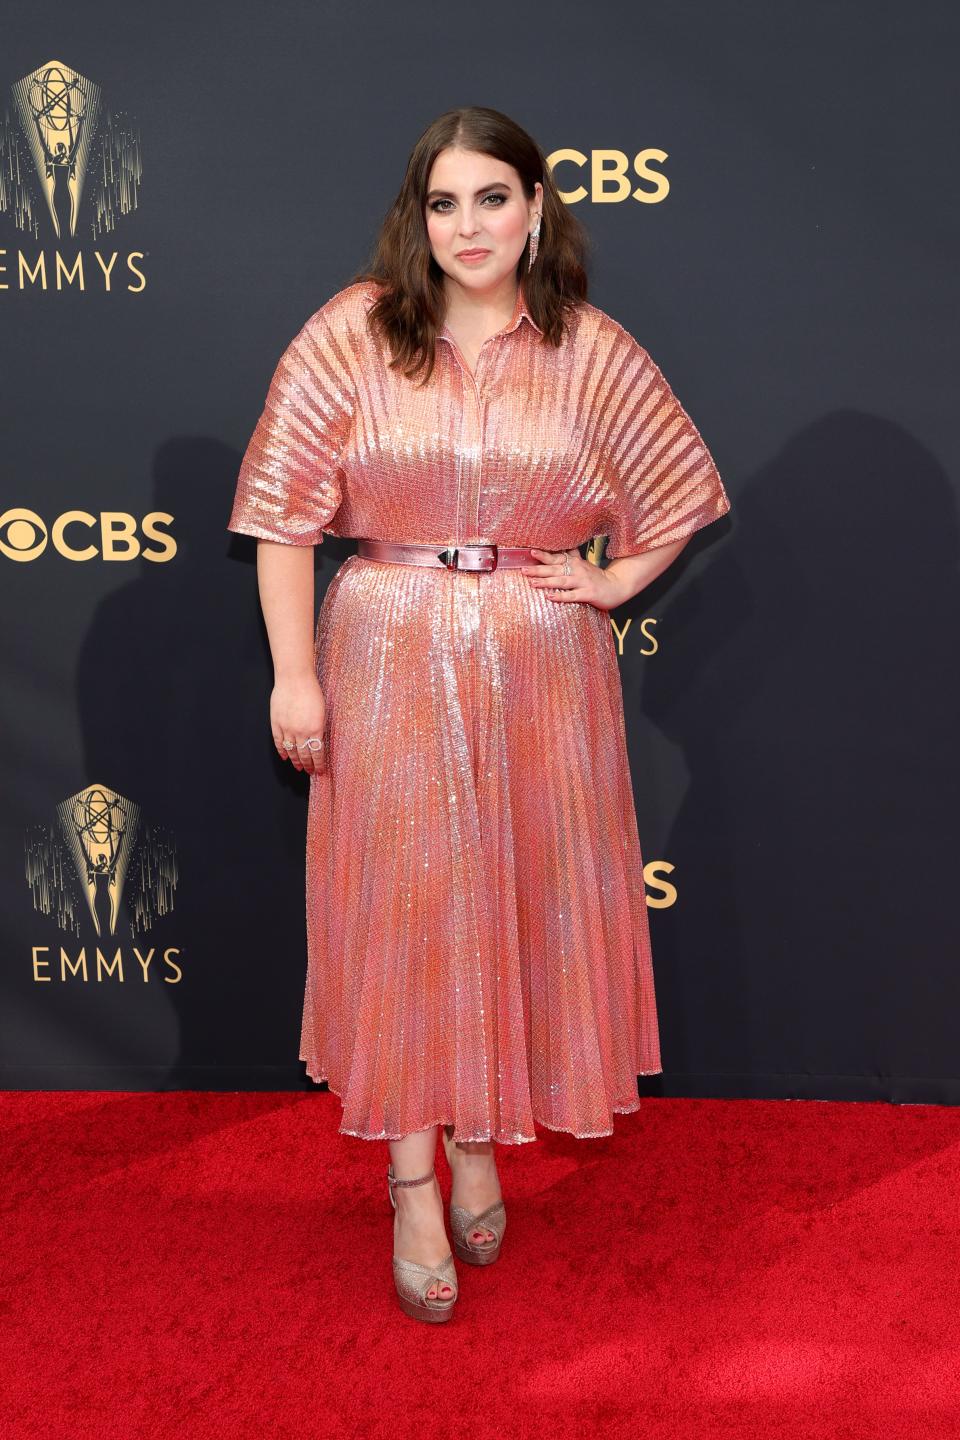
[[770, 195]]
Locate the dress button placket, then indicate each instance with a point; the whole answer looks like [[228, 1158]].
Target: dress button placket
[[468, 509]]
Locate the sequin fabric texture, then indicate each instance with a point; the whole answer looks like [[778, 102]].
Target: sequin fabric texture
[[477, 934]]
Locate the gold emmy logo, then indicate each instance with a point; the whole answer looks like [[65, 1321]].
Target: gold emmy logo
[[97, 849], [100, 827], [69, 166], [60, 126]]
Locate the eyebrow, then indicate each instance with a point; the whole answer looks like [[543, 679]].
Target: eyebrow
[[449, 195]]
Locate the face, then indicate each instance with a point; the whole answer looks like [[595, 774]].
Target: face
[[476, 203]]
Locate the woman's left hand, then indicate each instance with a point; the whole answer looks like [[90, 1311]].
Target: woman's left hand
[[584, 582]]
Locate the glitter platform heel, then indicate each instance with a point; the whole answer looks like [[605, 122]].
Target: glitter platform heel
[[462, 1222], [414, 1280]]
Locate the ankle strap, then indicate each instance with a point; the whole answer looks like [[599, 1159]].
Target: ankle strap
[[420, 1180]]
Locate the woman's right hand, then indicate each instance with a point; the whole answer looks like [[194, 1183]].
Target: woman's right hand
[[298, 711]]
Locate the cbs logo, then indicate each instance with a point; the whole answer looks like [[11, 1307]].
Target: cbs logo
[[610, 175], [78, 535]]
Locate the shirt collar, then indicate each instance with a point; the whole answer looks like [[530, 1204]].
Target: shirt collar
[[521, 311]]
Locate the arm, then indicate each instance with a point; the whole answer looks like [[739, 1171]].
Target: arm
[[633, 573], [288, 489], [297, 704], [285, 580], [605, 588]]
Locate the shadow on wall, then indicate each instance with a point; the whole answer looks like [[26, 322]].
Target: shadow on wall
[[173, 690], [811, 682]]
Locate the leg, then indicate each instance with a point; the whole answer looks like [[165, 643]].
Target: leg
[[419, 1232], [475, 1181]]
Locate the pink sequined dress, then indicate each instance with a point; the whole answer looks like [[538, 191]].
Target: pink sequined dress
[[478, 944]]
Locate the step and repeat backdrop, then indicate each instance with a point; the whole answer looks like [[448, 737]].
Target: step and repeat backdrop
[[769, 194]]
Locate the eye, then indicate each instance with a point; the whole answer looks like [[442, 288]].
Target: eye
[[494, 195]]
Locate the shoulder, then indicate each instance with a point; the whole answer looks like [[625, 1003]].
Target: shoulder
[[345, 313], [336, 336], [600, 333]]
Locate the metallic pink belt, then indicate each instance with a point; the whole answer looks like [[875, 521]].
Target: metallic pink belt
[[459, 557]]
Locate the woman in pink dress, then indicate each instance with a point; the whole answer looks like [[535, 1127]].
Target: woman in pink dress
[[478, 949]]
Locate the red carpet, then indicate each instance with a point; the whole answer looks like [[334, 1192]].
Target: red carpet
[[190, 1264]]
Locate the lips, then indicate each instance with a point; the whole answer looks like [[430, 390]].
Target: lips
[[471, 254]]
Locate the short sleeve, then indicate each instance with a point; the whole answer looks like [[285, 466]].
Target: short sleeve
[[661, 478], [290, 483]]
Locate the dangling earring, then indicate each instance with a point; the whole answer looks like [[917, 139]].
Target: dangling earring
[[534, 239]]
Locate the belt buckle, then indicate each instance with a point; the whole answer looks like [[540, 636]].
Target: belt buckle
[[451, 557]]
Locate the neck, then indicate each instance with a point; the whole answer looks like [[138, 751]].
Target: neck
[[477, 308]]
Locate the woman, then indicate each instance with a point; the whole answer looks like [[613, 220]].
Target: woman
[[478, 950]]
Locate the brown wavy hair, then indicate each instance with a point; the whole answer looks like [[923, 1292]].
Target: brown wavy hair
[[409, 312]]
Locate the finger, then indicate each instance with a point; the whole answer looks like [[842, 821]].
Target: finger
[[560, 559], [290, 751], [548, 575], [313, 756], [548, 566], [279, 740], [566, 586], [554, 554]]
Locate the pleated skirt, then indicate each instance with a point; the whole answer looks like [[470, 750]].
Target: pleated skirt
[[477, 935]]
